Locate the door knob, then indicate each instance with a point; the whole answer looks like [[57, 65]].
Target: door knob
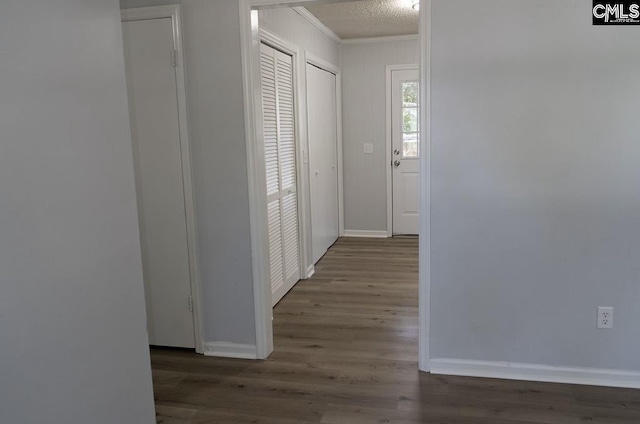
[[396, 163], [396, 152]]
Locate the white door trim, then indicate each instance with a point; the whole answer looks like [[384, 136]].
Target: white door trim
[[173, 12], [286, 46], [329, 67], [389, 140], [250, 47], [250, 43], [424, 230]]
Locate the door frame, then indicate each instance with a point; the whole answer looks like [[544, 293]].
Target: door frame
[[291, 49], [389, 138], [335, 70], [424, 228], [173, 12], [249, 48]]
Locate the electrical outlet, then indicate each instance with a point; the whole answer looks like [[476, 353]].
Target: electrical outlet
[[367, 148], [605, 317]]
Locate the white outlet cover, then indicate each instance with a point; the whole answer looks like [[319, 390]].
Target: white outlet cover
[[367, 148], [605, 317]]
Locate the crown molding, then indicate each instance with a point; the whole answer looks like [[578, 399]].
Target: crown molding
[[302, 11], [408, 37]]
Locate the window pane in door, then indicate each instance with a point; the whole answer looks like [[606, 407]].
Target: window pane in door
[[410, 120], [410, 94], [410, 145]]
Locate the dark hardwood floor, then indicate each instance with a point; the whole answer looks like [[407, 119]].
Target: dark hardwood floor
[[346, 352]]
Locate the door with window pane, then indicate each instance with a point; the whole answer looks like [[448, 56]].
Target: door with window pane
[[405, 130], [280, 164]]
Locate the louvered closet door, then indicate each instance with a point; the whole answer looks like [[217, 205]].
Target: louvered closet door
[[280, 164]]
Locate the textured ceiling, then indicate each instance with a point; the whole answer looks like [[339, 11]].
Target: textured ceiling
[[367, 18]]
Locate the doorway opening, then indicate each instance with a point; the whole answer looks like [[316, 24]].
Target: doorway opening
[[403, 149], [251, 37], [162, 163]]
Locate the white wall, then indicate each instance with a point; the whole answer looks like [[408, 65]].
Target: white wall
[[535, 184], [364, 121], [534, 204], [211, 32], [287, 24], [73, 343]]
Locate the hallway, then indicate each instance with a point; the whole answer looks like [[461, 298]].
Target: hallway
[[362, 302], [346, 353]]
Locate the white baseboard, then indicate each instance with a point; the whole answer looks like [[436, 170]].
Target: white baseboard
[[310, 271], [231, 350], [534, 372], [365, 233]]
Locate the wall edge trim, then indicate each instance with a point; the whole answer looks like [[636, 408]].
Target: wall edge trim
[[310, 271], [536, 372], [366, 233], [231, 350]]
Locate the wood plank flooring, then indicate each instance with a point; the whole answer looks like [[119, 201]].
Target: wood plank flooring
[[346, 353]]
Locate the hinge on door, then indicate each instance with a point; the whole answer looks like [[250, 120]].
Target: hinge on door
[[190, 300], [174, 58]]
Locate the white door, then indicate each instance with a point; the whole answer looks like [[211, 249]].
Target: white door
[[280, 163], [323, 159], [153, 107], [405, 130]]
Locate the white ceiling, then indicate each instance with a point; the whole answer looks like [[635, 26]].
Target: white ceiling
[[367, 18]]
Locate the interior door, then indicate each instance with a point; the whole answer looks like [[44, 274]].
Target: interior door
[[405, 130], [280, 165], [323, 158], [153, 107]]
